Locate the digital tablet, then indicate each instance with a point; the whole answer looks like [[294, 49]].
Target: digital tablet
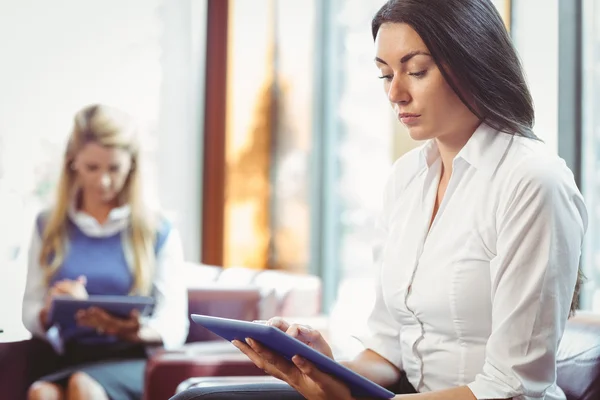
[[287, 346], [63, 308]]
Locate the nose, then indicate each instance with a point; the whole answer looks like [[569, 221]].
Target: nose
[[398, 92], [105, 181]]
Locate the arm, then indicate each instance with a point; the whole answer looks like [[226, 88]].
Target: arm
[[381, 362], [38, 296], [540, 234], [33, 314], [169, 322], [375, 368]]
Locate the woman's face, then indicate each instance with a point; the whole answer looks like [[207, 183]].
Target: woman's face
[[420, 96], [102, 171]]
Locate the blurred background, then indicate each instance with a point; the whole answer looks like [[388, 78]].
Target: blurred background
[[268, 135]]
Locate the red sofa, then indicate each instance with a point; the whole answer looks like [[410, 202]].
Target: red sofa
[[239, 293]]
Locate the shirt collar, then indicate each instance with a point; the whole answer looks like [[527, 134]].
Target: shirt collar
[[118, 220], [429, 153], [484, 150]]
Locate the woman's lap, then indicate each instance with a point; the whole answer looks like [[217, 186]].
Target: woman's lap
[[119, 370], [121, 379]]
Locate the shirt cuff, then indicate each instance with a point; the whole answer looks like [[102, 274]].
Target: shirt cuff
[[493, 384]]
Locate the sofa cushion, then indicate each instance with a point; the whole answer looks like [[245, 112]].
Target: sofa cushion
[[164, 371], [236, 303], [578, 366], [297, 295]]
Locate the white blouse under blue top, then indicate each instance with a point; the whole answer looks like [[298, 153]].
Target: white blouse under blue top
[[102, 254]]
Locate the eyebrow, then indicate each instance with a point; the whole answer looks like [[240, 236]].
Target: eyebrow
[[406, 57]]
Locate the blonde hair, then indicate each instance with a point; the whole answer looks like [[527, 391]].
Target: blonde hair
[[108, 127]]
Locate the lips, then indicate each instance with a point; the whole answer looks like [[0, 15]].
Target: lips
[[409, 118]]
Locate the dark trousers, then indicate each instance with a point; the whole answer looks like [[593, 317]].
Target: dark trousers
[[258, 391]]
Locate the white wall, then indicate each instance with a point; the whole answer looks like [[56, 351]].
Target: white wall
[[180, 142], [145, 56], [535, 34]]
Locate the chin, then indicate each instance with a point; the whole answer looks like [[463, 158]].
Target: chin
[[419, 134], [107, 198]]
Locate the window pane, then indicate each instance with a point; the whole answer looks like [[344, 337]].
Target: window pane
[[591, 150], [362, 152]]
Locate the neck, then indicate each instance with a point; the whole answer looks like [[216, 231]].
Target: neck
[[97, 209], [450, 145]]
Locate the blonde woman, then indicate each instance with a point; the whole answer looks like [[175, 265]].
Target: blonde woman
[[102, 238]]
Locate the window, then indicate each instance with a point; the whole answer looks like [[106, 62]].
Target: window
[[357, 145], [591, 151]]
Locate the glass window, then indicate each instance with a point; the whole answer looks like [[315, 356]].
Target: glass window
[[360, 152], [591, 150]]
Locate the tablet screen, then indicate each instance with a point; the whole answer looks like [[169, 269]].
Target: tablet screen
[[63, 309]]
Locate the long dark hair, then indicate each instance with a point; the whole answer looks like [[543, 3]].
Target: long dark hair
[[469, 42]]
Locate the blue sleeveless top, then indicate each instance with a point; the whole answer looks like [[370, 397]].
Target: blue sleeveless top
[[102, 261]]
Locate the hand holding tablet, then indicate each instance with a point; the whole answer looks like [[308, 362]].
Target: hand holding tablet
[[286, 346], [64, 309]]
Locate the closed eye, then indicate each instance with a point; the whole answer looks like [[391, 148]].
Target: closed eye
[[386, 77], [418, 74]]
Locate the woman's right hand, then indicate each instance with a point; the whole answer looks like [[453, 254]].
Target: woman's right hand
[[66, 287], [301, 374], [303, 333]]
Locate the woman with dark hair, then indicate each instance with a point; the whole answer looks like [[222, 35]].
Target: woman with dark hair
[[481, 226]]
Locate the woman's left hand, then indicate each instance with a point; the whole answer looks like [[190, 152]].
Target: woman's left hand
[[124, 328], [300, 374]]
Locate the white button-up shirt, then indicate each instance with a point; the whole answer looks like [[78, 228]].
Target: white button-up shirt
[[169, 318], [482, 297]]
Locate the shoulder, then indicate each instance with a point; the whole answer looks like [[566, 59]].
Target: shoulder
[[41, 220], [164, 230], [538, 179], [530, 164]]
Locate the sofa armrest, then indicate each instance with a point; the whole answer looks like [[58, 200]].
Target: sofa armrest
[[21, 363], [13, 370], [578, 361], [246, 387], [167, 369]]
